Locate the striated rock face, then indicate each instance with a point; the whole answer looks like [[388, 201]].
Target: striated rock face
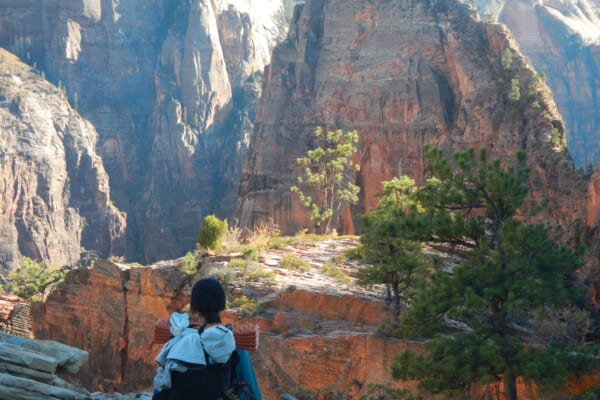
[[15, 317], [404, 75], [54, 191], [562, 40], [167, 85], [29, 369]]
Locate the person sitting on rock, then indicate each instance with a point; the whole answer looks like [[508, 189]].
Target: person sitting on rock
[[193, 364]]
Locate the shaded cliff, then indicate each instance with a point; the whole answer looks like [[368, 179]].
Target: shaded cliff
[[404, 75], [169, 86], [54, 191], [562, 40]]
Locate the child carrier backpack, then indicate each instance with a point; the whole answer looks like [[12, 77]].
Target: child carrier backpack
[[214, 381]]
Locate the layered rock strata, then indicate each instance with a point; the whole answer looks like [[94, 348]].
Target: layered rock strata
[[29, 369], [404, 75], [15, 317], [54, 192], [111, 310]]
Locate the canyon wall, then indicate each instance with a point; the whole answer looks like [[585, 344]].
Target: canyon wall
[[169, 85], [170, 88], [404, 75], [54, 191]]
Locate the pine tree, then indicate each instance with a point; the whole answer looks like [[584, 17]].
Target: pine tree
[[478, 317], [327, 185], [391, 257]]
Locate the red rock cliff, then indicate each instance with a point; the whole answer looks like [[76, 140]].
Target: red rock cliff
[[317, 336], [404, 75]]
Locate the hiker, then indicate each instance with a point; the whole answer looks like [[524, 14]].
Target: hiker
[[200, 363]]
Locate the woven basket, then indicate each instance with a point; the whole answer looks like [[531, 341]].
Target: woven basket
[[246, 335]]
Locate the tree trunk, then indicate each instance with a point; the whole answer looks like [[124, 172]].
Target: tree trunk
[[396, 293], [510, 386]]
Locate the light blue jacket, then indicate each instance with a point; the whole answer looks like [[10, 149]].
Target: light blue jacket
[[187, 347]]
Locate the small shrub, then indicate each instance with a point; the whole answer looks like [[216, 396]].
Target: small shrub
[[340, 259], [220, 272], [263, 234], [256, 273], [379, 392], [355, 253], [250, 271], [188, 263], [506, 59], [557, 139], [278, 242], [303, 394], [251, 253], [247, 307], [237, 264], [335, 272], [32, 280], [312, 238], [232, 238], [293, 262], [212, 232], [515, 91]]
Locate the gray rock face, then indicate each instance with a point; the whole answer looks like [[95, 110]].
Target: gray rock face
[[562, 40], [29, 368], [166, 84], [54, 192]]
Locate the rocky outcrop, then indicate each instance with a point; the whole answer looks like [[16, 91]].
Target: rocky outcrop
[[318, 335], [562, 41], [111, 310], [169, 86], [54, 191], [404, 75], [29, 369]]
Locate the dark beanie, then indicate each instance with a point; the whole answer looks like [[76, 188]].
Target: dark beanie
[[208, 298]]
